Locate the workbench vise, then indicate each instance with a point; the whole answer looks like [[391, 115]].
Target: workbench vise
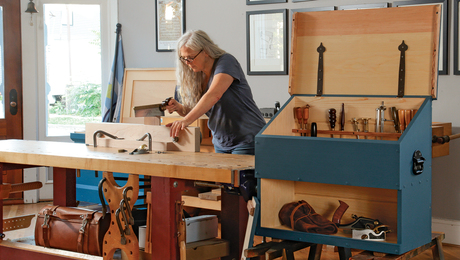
[[244, 183], [247, 184]]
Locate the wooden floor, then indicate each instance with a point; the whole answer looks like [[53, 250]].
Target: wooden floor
[[451, 252]]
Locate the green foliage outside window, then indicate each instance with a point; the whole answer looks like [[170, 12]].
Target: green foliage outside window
[[83, 100]]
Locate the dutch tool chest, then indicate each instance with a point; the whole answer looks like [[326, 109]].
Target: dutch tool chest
[[363, 82]]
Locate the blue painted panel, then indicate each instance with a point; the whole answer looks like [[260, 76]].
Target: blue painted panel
[[390, 248], [87, 182], [414, 216], [328, 160]]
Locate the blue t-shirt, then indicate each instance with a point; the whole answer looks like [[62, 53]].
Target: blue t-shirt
[[235, 119]]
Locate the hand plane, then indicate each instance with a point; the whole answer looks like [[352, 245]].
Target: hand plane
[[151, 110], [361, 227]]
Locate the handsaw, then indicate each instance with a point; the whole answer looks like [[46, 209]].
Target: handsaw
[[151, 110]]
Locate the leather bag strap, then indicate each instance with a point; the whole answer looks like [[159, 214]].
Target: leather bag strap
[[81, 234], [76, 215], [339, 212], [294, 211], [45, 226]]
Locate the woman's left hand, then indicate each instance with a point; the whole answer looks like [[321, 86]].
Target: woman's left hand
[[177, 126]]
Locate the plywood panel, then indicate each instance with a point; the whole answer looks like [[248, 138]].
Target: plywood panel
[[146, 87], [361, 59]]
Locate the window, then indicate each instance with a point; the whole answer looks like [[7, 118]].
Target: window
[[72, 39]]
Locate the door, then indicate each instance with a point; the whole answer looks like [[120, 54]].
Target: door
[[11, 84]]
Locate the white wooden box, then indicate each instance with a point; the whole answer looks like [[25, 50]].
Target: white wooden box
[[200, 228]]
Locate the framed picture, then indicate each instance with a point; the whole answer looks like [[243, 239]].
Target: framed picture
[[443, 41], [456, 5], [362, 6], [259, 2], [266, 36], [170, 23]]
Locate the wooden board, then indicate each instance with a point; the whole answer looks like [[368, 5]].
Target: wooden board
[[214, 195], [196, 202], [52, 252], [189, 139], [214, 167], [441, 129], [362, 56], [145, 87], [207, 249]]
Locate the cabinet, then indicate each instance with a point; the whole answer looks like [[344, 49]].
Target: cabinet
[[361, 67]]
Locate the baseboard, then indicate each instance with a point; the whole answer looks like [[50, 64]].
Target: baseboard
[[449, 227]]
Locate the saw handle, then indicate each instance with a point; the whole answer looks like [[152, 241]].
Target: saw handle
[[165, 103]]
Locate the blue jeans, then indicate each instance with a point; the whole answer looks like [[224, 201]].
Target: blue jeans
[[244, 149]]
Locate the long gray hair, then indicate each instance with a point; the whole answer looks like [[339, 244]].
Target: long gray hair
[[190, 82]]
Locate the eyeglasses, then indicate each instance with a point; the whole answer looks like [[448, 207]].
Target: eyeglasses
[[185, 60]]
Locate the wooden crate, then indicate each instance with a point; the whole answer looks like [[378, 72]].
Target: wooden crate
[[372, 173]]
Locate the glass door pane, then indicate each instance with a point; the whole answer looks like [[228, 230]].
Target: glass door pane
[[72, 67]]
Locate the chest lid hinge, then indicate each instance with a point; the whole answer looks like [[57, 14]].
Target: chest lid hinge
[[402, 69], [319, 89]]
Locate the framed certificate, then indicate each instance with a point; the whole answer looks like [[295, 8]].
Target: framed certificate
[[170, 23]]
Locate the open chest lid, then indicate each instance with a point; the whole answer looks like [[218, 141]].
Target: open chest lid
[[371, 52]]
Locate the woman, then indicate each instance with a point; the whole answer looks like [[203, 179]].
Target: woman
[[213, 83]]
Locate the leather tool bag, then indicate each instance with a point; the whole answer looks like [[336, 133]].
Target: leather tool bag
[[302, 217], [72, 229]]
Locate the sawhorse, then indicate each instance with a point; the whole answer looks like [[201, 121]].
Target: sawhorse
[[271, 250]]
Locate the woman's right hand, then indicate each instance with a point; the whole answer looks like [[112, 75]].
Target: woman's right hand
[[173, 105]]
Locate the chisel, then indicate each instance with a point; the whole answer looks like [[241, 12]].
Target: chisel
[[401, 115], [306, 115], [299, 116]]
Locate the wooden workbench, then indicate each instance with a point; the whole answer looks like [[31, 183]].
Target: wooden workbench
[[171, 173]]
